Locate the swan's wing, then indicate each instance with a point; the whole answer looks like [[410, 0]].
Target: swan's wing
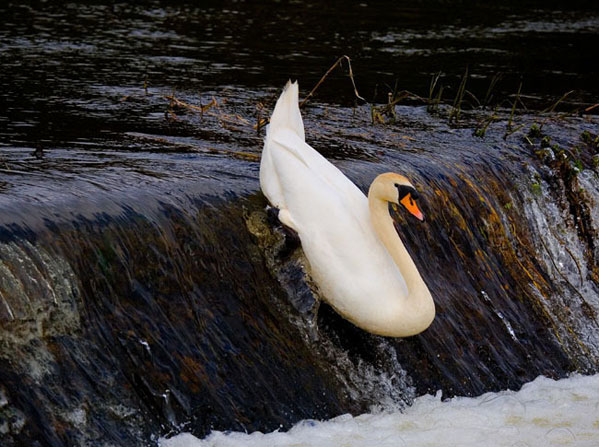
[[318, 165], [284, 138], [310, 188], [293, 176], [270, 178]]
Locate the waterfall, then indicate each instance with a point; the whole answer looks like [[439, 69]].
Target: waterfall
[[136, 305]]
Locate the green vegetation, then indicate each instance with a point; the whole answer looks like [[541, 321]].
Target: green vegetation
[[489, 95], [463, 102], [534, 131], [589, 139], [509, 129], [433, 103], [456, 109], [481, 131], [546, 141]]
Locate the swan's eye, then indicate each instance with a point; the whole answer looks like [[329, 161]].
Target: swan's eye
[[404, 190], [411, 206]]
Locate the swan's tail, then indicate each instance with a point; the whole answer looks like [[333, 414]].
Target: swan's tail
[[287, 113]]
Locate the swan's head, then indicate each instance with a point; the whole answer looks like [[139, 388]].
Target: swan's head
[[397, 190]]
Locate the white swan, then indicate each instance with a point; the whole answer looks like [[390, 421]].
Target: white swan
[[356, 257]]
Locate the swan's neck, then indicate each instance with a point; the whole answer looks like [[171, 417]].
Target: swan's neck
[[385, 229], [418, 306]]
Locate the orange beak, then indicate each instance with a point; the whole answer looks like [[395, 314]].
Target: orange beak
[[411, 206]]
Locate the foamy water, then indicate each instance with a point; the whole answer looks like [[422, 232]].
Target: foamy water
[[543, 413]]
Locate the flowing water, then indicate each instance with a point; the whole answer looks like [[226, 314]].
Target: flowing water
[[144, 291], [544, 412]]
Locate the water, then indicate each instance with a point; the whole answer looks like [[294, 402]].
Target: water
[[166, 310], [144, 291], [68, 67], [543, 412]]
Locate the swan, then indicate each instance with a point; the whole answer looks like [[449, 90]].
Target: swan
[[355, 255]]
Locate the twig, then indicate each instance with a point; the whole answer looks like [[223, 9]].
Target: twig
[[351, 76], [202, 108], [522, 104], [473, 97], [588, 109], [552, 108]]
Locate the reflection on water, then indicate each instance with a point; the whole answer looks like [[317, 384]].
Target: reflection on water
[[66, 67]]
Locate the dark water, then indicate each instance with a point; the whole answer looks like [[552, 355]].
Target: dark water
[[66, 66], [144, 291]]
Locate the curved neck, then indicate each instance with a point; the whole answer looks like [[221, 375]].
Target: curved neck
[[419, 306], [385, 230]]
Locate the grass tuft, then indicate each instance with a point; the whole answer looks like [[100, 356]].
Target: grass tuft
[[433, 104], [459, 97], [489, 95]]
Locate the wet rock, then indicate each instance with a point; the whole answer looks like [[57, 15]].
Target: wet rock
[[38, 294], [12, 420], [285, 260]]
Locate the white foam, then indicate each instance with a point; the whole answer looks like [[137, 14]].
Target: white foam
[[543, 413]]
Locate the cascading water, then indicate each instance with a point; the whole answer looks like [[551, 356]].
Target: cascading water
[[144, 289], [181, 305]]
